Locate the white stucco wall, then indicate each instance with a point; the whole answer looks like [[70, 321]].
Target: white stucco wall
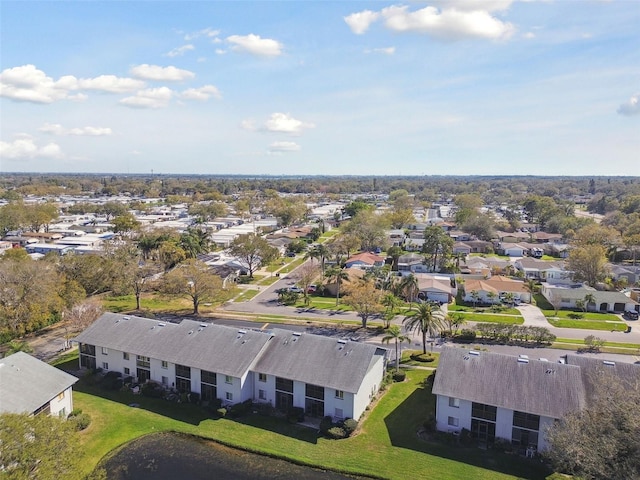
[[62, 404], [368, 388]]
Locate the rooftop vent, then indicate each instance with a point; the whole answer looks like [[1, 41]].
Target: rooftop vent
[[542, 359], [526, 357], [203, 325], [296, 334], [466, 357], [125, 318], [523, 360], [609, 363], [550, 371], [242, 332], [190, 332], [161, 324], [343, 342], [475, 353]]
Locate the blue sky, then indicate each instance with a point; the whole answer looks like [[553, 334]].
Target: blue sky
[[443, 87]]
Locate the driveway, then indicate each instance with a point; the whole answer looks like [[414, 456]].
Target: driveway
[[533, 316]]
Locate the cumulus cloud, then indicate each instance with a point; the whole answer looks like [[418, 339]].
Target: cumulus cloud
[[385, 51], [149, 98], [110, 84], [179, 51], [202, 93], [255, 45], [359, 22], [57, 129], [285, 123], [157, 73], [29, 84], [249, 125], [631, 106], [277, 147], [25, 148], [455, 20]]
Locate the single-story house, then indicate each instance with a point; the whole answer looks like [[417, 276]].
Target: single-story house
[[514, 398], [325, 376], [566, 296], [436, 288], [513, 249], [364, 260], [497, 285], [630, 273], [28, 385], [543, 270]]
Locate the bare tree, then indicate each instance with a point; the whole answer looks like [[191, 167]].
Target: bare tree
[[306, 275], [79, 317]]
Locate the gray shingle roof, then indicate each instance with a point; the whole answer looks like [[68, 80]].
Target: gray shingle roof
[[306, 357], [590, 367], [542, 388], [317, 360], [212, 347], [26, 383]]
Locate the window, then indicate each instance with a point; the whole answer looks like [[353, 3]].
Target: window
[[229, 396], [340, 394], [164, 364], [88, 349], [486, 412], [526, 420], [262, 377], [183, 371], [228, 379], [339, 413], [126, 371], [262, 395], [125, 356], [314, 391], [165, 380], [105, 366], [105, 351], [284, 385], [60, 395], [454, 402], [143, 362], [208, 377], [452, 421]]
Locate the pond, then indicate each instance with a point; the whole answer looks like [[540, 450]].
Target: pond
[[172, 456]]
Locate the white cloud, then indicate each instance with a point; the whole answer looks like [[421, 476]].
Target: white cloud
[[631, 106], [455, 20], [386, 51], [28, 84], [285, 123], [361, 21], [284, 147], [25, 148], [110, 84], [255, 45], [220, 51], [57, 129], [205, 32], [249, 125], [201, 93], [529, 35], [157, 73], [179, 51], [149, 98]]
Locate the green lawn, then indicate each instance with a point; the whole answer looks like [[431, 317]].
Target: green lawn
[[492, 318], [588, 324], [405, 359], [156, 302], [247, 295], [465, 308], [386, 447], [566, 314], [609, 344]]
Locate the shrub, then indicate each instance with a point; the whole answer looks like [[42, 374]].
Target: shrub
[[240, 409], [349, 426], [336, 433], [430, 423], [221, 412], [151, 389], [325, 424], [423, 357], [466, 336], [575, 315], [194, 397], [81, 421], [75, 412], [295, 414], [399, 376]]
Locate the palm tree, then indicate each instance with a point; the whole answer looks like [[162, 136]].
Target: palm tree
[[16, 346], [427, 320], [492, 296], [409, 288], [338, 274], [475, 296], [590, 298], [530, 285], [394, 333], [509, 298], [319, 252], [392, 303]]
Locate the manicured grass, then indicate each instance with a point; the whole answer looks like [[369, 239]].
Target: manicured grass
[[323, 303], [492, 318], [269, 280], [588, 324], [386, 447], [465, 308], [405, 359], [293, 265], [566, 314], [160, 303], [247, 295], [609, 344]]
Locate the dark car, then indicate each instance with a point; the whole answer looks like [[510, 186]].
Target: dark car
[[630, 315]]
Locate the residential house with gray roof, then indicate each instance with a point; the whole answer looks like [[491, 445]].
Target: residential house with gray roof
[[28, 385], [325, 376], [515, 398]]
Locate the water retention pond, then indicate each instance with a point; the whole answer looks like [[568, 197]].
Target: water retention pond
[[173, 456]]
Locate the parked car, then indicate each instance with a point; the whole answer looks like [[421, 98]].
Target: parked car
[[295, 289], [630, 315], [291, 254], [312, 289]]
